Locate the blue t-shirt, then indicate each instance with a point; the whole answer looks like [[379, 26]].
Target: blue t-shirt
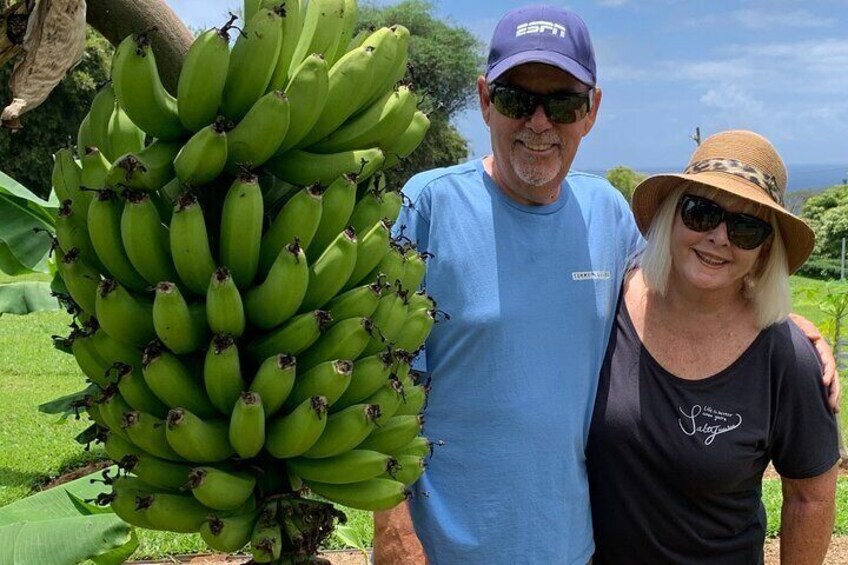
[[531, 293]]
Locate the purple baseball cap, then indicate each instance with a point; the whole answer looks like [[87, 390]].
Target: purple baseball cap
[[542, 34]]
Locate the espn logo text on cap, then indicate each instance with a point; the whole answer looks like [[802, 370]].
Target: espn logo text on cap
[[540, 27]]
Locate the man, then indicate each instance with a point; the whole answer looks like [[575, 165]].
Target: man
[[528, 261]]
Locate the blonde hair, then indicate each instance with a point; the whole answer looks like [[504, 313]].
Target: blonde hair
[[767, 288]]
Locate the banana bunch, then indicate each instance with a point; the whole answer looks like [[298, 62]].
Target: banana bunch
[[241, 305]]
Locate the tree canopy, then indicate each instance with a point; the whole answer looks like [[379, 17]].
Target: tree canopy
[[827, 214], [624, 179]]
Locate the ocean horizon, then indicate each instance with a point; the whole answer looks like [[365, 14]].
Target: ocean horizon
[[801, 177]]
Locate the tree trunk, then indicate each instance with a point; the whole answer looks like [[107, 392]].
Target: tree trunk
[[115, 19]]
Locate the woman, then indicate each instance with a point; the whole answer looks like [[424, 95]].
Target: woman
[[705, 381]]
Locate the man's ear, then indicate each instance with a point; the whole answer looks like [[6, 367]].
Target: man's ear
[[589, 120], [485, 101]]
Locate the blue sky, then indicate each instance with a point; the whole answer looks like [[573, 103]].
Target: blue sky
[[778, 67]]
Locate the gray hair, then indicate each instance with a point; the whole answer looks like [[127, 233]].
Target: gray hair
[[767, 288]]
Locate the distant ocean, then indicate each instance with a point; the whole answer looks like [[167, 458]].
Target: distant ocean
[[801, 177]]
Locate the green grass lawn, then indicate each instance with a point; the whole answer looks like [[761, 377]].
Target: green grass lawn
[[34, 447]]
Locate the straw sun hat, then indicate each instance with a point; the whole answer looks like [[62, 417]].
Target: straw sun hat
[[741, 163]]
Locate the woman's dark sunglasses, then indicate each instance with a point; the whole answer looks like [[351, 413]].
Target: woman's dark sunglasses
[[560, 107], [743, 230]]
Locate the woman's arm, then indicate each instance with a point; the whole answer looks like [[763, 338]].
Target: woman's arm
[[395, 540], [807, 518]]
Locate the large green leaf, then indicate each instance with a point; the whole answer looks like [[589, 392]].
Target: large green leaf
[[53, 526], [25, 297], [21, 249]]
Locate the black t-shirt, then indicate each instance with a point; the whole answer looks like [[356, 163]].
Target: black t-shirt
[[675, 466]]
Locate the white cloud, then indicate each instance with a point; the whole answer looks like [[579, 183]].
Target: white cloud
[[753, 19], [731, 98], [612, 3]]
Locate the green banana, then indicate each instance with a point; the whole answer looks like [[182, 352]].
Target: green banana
[[250, 8], [350, 467], [281, 293], [420, 446], [202, 78], [394, 434], [84, 137], [345, 430], [420, 300], [399, 65], [292, 14], [370, 250], [336, 206], [66, 179], [389, 398], [140, 92], [266, 542], [359, 302], [415, 330], [81, 280], [373, 494], [135, 391], [350, 82], [367, 211], [247, 425], [241, 230], [329, 273], [190, 245], [148, 432], [409, 140], [252, 63], [307, 92], [274, 381], [123, 316], [222, 373], [328, 379], [95, 168], [182, 328], [414, 400], [149, 170], [410, 468], [92, 364], [100, 113], [343, 340], [124, 136], [296, 432], [124, 501], [199, 441], [112, 408], [158, 473], [388, 318], [368, 376], [392, 203], [303, 168], [220, 490], [259, 134], [298, 219], [173, 383], [145, 239], [104, 228], [391, 266], [385, 59], [228, 534], [376, 126], [113, 351], [346, 32], [292, 337], [175, 513], [203, 157], [323, 23], [224, 307], [414, 270], [117, 447]]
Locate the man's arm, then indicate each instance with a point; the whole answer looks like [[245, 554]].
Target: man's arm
[[807, 518], [830, 377], [395, 540]]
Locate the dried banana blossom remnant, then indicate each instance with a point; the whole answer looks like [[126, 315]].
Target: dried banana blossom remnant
[[54, 43]]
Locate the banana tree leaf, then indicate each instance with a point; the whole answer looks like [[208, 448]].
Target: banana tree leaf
[[65, 405], [22, 250], [58, 526], [65, 540], [55, 502], [25, 297]]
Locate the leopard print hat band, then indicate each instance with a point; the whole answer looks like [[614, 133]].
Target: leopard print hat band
[[747, 172]]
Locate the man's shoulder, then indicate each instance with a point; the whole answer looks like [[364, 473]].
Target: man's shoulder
[[595, 190], [439, 179]]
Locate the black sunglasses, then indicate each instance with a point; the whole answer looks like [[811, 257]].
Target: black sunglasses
[[560, 107], [743, 230]]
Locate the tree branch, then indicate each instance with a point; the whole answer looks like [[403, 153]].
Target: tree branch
[[115, 19]]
